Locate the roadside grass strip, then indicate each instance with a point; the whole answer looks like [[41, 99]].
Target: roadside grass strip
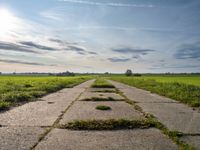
[[101, 83], [17, 90], [185, 93]]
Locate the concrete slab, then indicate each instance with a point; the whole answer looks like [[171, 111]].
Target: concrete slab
[[145, 139], [83, 110], [192, 140], [83, 85], [86, 84], [139, 95], [175, 116], [89, 95], [109, 90], [42, 113], [19, 138]]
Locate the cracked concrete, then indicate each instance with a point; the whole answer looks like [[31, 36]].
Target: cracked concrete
[[83, 110], [138, 139], [173, 114], [21, 126]]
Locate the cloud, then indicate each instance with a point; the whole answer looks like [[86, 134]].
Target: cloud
[[107, 4], [173, 66], [56, 41], [52, 15], [22, 62], [15, 47], [75, 48], [116, 59], [93, 53], [38, 46], [128, 50], [188, 51], [62, 42]]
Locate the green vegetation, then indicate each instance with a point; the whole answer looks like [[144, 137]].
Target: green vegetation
[[112, 124], [173, 135], [186, 93], [105, 91], [17, 89], [100, 99], [185, 79], [103, 107], [101, 83]]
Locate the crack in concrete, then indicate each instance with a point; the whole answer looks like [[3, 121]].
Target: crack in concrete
[[55, 124]]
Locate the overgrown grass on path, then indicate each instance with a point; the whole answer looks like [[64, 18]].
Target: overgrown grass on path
[[101, 83], [186, 93], [17, 89]]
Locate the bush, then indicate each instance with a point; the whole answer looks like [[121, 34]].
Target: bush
[[128, 72]]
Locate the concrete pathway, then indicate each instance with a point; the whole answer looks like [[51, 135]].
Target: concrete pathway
[[138, 139], [21, 127], [34, 125], [174, 115]]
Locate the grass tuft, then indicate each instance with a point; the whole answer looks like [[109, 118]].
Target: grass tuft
[[101, 83], [100, 99], [4, 105], [112, 124], [103, 107]]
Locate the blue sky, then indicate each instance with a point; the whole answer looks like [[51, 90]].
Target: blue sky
[[100, 35]]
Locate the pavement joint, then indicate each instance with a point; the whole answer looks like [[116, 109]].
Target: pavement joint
[[159, 125], [55, 124]]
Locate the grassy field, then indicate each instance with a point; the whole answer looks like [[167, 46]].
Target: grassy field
[[192, 80], [17, 89], [185, 89]]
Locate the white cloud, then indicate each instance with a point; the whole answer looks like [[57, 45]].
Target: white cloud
[[51, 15], [107, 4]]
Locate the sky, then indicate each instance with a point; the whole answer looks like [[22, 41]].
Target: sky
[[146, 36]]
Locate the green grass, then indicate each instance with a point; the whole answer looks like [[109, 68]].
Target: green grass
[[189, 79], [103, 107], [186, 93], [18, 89], [111, 124], [101, 83], [173, 135], [100, 99]]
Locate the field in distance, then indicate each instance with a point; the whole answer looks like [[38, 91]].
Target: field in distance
[[186, 79]]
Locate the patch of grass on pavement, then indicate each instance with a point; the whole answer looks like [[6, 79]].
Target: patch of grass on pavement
[[101, 83], [105, 91], [103, 107], [100, 99], [112, 124], [174, 135]]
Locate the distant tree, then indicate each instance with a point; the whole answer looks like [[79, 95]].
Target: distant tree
[[128, 72]]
